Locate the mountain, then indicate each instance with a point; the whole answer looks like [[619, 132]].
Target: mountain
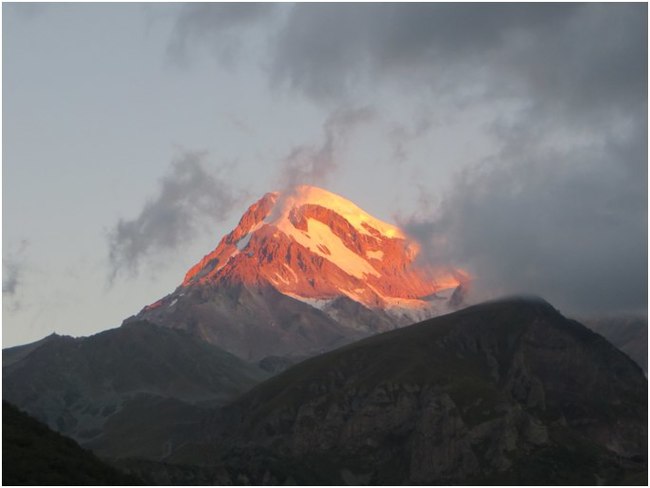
[[506, 392], [628, 332], [32, 454], [11, 355], [138, 390], [303, 272]]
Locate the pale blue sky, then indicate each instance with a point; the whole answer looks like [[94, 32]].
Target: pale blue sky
[[99, 99]]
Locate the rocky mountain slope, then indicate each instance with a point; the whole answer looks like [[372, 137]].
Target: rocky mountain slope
[[136, 390], [507, 392], [11, 355], [32, 454], [305, 271], [628, 332]]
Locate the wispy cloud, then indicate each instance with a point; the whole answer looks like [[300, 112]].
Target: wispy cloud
[[220, 25], [402, 136], [190, 196], [315, 164], [13, 268], [10, 278]]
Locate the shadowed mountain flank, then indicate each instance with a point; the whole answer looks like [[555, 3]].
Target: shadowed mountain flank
[[32, 454], [503, 392], [136, 390]]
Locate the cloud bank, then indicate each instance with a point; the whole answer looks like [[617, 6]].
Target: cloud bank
[[565, 232], [570, 55]]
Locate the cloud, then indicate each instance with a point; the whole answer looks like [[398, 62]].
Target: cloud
[[10, 278], [401, 136], [314, 164], [575, 57], [13, 269], [568, 225], [220, 25], [190, 195]]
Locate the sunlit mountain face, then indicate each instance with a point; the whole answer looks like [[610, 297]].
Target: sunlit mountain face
[[312, 244], [314, 247]]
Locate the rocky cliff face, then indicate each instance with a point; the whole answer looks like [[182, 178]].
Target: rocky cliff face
[[506, 392], [304, 272]]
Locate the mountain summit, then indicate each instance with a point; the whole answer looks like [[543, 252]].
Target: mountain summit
[[314, 245], [306, 252]]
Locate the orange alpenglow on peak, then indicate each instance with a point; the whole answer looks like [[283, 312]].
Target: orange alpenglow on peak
[[314, 245]]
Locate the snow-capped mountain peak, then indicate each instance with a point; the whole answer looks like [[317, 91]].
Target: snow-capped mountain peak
[[305, 271], [313, 244]]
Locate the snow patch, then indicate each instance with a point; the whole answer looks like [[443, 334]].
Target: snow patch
[[358, 218], [282, 279], [353, 295], [293, 273], [318, 303], [340, 255], [375, 254], [413, 309]]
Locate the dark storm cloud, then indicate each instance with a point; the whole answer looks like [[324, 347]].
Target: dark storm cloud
[[314, 164], [577, 54], [574, 233], [220, 24], [573, 57], [190, 195]]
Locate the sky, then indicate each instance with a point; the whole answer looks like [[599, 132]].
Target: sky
[[508, 139]]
